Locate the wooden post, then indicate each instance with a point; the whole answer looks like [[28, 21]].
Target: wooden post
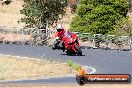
[[94, 42]]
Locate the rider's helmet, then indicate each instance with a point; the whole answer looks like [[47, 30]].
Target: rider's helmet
[[59, 28]]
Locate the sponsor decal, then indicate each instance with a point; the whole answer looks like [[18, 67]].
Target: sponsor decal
[[103, 78]]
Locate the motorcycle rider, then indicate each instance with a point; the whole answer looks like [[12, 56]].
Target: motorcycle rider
[[62, 37], [60, 33]]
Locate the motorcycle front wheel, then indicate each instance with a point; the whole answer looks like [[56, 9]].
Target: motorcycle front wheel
[[68, 52], [78, 50]]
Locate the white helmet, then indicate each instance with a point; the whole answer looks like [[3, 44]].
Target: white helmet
[[59, 27]]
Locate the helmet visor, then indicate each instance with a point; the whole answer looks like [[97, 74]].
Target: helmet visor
[[59, 30]]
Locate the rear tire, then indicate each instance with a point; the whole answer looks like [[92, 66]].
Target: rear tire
[[78, 50]]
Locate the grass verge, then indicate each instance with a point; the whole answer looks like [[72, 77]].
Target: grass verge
[[18, 68]]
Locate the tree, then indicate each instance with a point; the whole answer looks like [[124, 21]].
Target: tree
[[42, 12], [123, 27], [98, 16]]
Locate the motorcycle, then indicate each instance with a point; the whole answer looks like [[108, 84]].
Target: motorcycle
[[71, 45]]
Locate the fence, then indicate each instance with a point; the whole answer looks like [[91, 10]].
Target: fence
[[14, 36], [24, 36], [106, 41], [28, 36]]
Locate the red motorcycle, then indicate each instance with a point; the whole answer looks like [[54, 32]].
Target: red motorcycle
[[71, 44]]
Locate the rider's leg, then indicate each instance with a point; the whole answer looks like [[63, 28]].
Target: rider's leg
[[55, 44]]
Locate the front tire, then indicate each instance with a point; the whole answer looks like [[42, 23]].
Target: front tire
[[68, 53], [78, 50]]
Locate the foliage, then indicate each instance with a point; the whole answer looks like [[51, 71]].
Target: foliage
[[86, 36], [98, 16], [123, 28], [73, 65], [42, 12], [7, 2], [73, 5]]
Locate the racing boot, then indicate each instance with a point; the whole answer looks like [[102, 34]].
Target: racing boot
[[53, 47]]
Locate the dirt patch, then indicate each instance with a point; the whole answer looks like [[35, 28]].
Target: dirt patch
[[10, 14], [130, 16], [15, 37]]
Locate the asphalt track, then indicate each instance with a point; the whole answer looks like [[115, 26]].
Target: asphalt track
[[104, 61]]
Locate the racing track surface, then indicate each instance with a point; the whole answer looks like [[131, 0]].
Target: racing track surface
[[104, 61]]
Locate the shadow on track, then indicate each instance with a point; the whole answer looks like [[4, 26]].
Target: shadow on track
[[71, 55]]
